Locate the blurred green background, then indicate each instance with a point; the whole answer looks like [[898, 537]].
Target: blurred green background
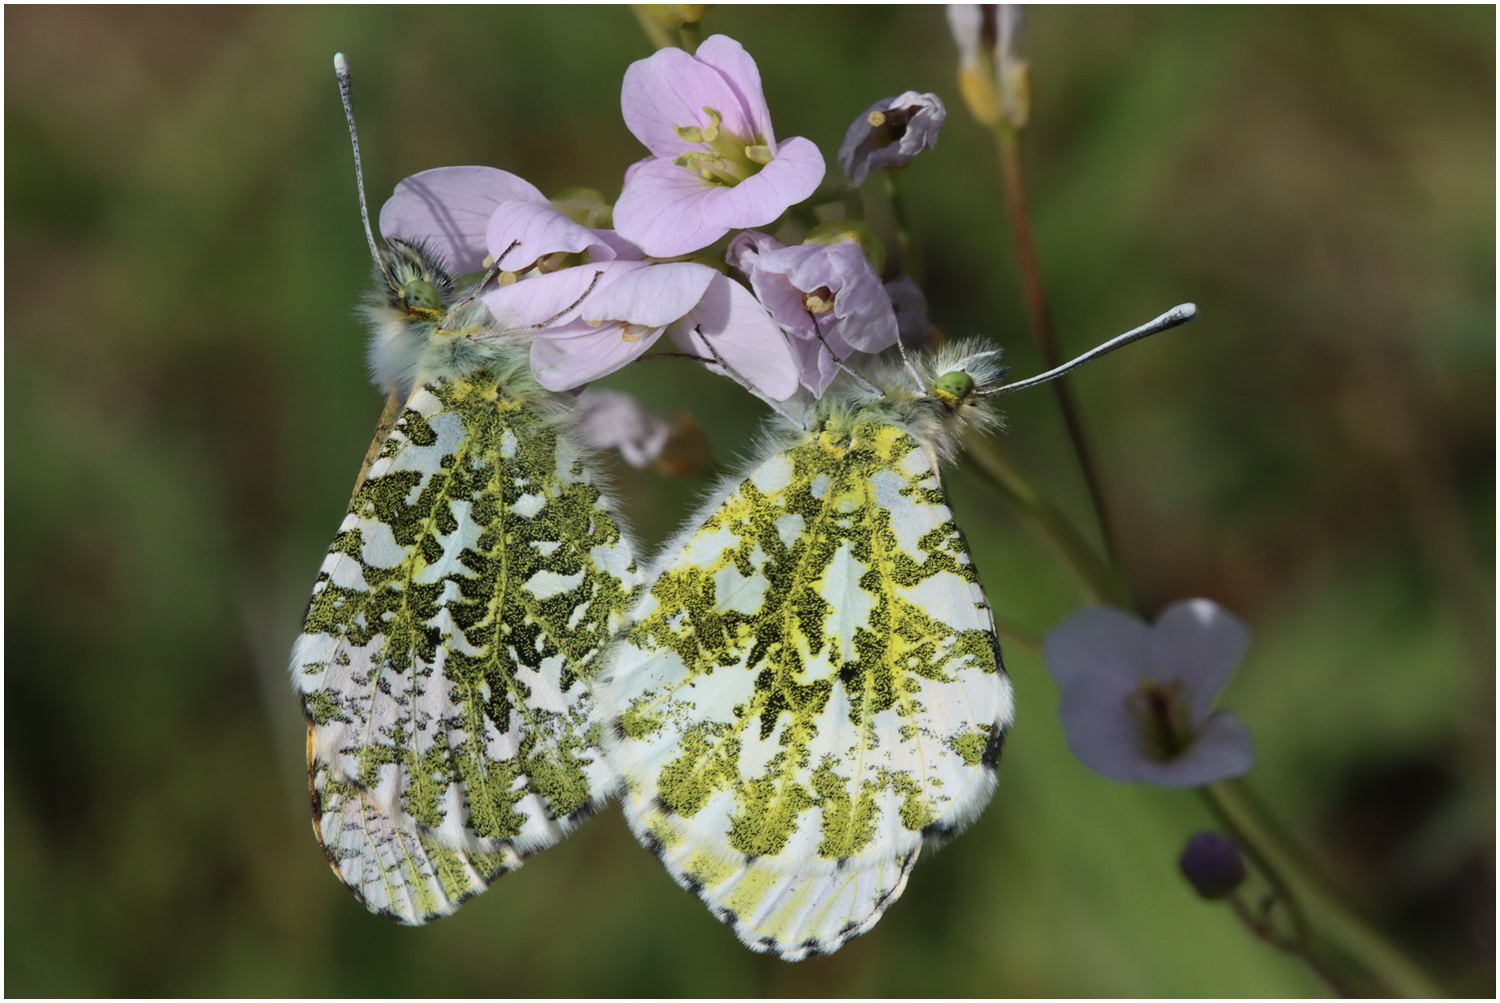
[[187, 407]]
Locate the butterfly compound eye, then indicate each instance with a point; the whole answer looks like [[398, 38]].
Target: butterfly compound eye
[[423, 295], [956, 386]]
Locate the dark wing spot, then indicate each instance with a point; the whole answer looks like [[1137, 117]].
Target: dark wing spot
[[939, 831], [992, 749]]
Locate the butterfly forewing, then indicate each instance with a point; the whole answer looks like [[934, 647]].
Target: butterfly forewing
[[443, 664], [810, 686]]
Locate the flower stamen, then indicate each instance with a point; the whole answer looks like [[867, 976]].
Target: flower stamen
[[1165, 718]]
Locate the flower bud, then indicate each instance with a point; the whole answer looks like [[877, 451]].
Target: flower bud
[[993, 78], [850, 231], [674, 15], [1212, 864]]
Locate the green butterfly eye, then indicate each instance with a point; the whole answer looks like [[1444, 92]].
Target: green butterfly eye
[[423, 295], [956, 384]]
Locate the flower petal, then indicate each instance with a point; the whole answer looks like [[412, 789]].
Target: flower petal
[[448, 210], [1098, 644], [1198, 642], [792, 176], [652, 296], [671, 89], [965, 20], [663, 210], [1099, 730], [553, 299], [743, 335], [521, 233], [572, 355], [743, 77], [911, 123], [613, 247]]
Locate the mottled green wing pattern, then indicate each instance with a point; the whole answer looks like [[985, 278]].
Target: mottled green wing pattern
[[394, 865], [811, 687], [443, 665]]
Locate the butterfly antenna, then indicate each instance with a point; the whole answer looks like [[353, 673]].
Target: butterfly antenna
[[818, 330], [341, 69], [1180, 314], [911, 369], [718, 360]]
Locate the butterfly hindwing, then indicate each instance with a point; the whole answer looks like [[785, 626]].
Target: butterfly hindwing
[[443, 663], [395, 867], [810, 687]]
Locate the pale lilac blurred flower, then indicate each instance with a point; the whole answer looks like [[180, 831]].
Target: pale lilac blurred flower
[[890, 134], [715, 164], [608, 419], [818, 289], [591, 320], [1137, 700], [993, 77], [910, 304], [448, 210], [1212, 864]]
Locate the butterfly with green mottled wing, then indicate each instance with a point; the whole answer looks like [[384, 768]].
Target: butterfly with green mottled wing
[[482, 567]]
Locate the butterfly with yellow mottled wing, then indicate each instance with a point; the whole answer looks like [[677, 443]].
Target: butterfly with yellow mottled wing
[[811, 686]]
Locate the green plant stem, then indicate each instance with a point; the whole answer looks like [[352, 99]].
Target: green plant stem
[[1311, 908], [996, 470], [1008, 143], [1265, 930], [655, 32], [911, 255]]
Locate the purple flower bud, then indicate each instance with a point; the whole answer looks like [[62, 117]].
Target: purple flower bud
[[1212, 864], [910, 305], [1137, 701], [715, 164], [890, 134], [826, 297]]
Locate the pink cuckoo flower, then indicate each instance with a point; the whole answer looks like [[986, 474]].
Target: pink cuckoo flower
[[715, 164]]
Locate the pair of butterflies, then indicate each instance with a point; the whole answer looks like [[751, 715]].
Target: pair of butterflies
[[801, 688], [795, 694]]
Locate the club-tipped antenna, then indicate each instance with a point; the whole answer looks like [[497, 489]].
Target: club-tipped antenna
[[1179, 314], [341, 69]]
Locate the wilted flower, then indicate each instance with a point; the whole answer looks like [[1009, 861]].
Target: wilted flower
[[992, 76], [1212, 864], [715, 164], [827, 297], [1137, 700], [890, 134], [609, 419]]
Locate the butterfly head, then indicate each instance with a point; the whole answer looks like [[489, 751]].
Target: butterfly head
[[957, 376], [417, 287]]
